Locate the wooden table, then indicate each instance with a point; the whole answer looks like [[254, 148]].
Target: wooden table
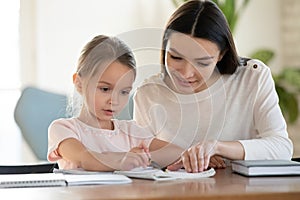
[[224, 185]]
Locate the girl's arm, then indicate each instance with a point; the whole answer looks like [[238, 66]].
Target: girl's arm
[[164, 153], [74, 151]]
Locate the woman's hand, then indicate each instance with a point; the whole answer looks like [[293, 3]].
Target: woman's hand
[[175, 166], [136, 157], [217, 162], [197, 157]]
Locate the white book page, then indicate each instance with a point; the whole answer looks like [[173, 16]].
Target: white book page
[[157, 174], [96, 179]]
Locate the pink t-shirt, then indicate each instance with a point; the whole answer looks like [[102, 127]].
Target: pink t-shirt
[[126, 135]]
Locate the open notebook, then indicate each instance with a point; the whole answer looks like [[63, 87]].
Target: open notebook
[[150, 173], [159, 175], [60, 179]]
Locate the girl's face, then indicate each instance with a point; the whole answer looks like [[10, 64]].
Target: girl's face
[[190, 63], [107, 93]]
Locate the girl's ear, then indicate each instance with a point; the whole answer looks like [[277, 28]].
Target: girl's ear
[[77, 82]]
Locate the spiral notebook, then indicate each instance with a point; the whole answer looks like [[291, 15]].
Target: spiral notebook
[[58, 179]]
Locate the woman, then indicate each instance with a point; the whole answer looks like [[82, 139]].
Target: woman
[[206, 99]]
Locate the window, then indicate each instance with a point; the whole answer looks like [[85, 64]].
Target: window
[[10, 138]]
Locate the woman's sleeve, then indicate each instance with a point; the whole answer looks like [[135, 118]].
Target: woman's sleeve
[[141, 109], [272, 141], [58, 131]]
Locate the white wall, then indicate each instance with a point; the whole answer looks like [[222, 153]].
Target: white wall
[[57, 30], [259, 27], [290, 32], [64, 26]]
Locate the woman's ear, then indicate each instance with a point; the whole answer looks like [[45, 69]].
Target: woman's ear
[[222, 54], [77, 82]]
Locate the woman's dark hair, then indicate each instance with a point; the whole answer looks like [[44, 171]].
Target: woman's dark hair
[[203, 19]]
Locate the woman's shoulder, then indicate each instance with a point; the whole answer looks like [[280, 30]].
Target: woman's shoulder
[[129, 126], [250, 74], [153, 85], [253, 65], [154, 79], [252, 69]]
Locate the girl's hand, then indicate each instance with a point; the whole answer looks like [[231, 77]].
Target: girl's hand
[[197, 157], [217, 162], [136, 157]]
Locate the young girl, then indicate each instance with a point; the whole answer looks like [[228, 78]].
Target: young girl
[[94, 140], [214, 104]]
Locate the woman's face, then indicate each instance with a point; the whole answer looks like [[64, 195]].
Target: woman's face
[[190, 63]]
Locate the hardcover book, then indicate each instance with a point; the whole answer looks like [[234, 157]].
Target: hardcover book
[[266, 167]]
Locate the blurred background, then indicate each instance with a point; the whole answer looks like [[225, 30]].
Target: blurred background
[[41, 41]]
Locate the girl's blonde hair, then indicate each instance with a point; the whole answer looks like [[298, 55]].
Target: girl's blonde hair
[[96, 55], [103, 49]]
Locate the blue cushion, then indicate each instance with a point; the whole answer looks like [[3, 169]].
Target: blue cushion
[[34, 112]]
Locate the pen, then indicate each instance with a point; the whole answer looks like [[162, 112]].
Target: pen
[[152, 163], [155, 164]]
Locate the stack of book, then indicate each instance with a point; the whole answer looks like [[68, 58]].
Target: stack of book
[[266, 167]]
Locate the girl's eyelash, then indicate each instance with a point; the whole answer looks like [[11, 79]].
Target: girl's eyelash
[[175, 57], [124, 92], [104, 89], [107, 89]]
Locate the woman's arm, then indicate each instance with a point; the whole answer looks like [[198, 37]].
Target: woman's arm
[[272, 140], [197, 158], [164, 153], [232, 150], [74, 151]]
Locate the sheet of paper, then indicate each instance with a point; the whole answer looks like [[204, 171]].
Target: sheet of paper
[[159, 175]]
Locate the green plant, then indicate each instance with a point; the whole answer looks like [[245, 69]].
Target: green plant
[[288, 100], [231, 10], [287, 82]]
